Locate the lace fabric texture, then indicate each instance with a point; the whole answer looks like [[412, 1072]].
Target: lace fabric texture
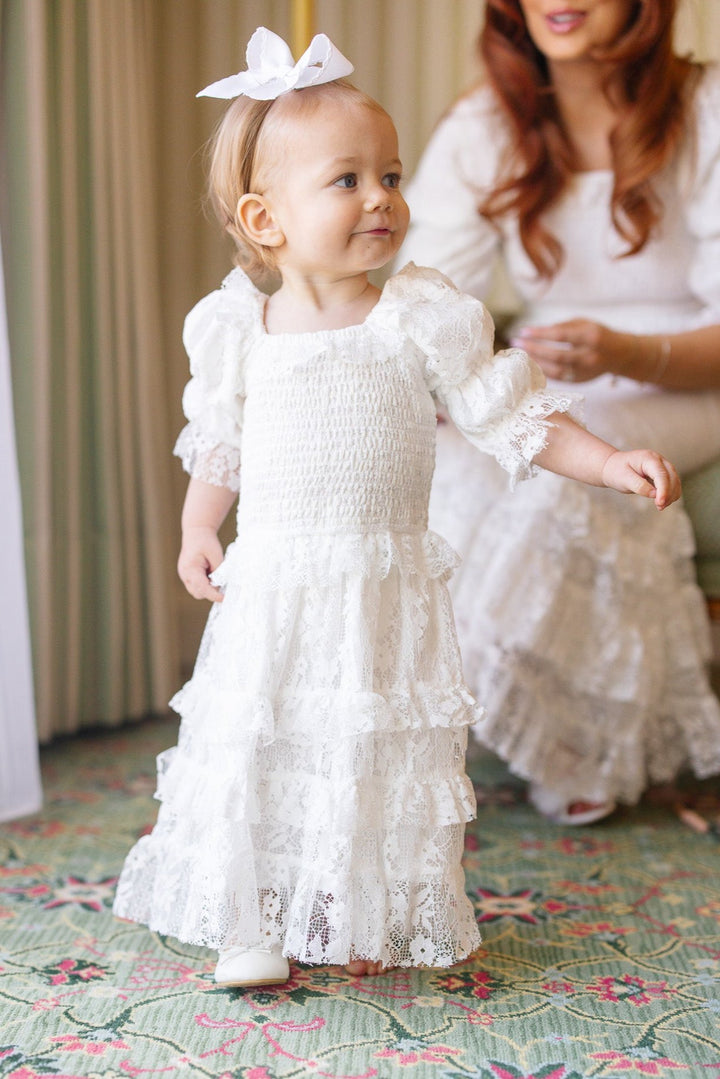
[[586, 638], [317, 797]]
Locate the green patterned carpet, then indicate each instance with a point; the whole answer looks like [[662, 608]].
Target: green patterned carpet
[[601, 951]]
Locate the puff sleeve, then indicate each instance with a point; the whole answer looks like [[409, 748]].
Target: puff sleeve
[[703, 202], [499, 401], [215, 336], [458, 168]]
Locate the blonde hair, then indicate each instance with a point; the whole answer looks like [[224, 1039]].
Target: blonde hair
[[244, 149]]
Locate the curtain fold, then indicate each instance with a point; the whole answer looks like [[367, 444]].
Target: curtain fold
[[80, 213]]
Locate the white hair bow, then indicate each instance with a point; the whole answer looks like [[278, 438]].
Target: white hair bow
[[271, 72]]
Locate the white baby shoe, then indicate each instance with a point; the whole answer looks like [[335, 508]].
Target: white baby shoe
[[238, 967], [556, 807]]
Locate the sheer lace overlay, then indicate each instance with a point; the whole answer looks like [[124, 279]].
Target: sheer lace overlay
[[317, 797]]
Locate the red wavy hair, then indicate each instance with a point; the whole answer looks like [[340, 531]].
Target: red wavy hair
[[647, 91]]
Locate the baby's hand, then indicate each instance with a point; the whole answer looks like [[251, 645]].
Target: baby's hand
[[201, 553], [642, 472]]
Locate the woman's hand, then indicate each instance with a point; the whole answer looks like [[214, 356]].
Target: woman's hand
[[642, 472], [200, 554], [577, 350]]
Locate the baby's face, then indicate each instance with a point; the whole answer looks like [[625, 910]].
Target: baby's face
[[336, 192]]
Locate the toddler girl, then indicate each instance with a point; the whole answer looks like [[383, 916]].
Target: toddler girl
[[315, 804]]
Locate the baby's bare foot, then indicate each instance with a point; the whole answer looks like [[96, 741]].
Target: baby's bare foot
[[361, 968]]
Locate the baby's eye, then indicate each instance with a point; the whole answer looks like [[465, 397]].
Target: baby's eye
[[392, 179], [348, 180]]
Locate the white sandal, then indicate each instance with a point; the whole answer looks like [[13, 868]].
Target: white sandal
[[556, 806], [238, 967]]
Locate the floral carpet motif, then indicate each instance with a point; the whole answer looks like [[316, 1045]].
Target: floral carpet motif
[[600, 957]]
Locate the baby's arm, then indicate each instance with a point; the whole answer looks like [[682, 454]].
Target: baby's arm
[[574, 452], [206, 507]]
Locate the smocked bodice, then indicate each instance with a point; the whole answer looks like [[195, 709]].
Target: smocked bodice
[[336, 435], [334, 431]]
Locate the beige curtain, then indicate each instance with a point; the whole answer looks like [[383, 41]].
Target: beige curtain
[[81, 221]]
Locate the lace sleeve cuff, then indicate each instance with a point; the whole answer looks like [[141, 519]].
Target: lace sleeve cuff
[[516, 440], [207, 461], [504, 410]]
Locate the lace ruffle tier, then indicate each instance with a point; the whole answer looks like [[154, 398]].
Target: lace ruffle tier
[[593, 672], [337, 799]]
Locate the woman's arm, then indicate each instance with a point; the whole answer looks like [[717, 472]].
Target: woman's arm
[[457, 167]]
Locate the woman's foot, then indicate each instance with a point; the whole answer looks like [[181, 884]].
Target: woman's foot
[[559, 810], [240, 967], [361, 968]]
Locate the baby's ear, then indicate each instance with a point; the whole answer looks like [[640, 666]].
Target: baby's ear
[[255, 218]]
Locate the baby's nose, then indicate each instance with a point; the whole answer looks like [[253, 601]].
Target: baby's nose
[[377, 199]]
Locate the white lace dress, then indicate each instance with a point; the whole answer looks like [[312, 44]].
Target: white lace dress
[[581, 626], [317, 797]]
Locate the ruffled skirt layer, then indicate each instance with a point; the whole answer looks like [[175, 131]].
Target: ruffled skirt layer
[[316, 800], [582, 629]]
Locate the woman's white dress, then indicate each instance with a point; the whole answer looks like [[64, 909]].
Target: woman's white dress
[[581, 626], [317, 797]]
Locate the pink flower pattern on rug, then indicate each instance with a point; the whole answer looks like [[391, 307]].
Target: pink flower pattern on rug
[[601, 953]]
